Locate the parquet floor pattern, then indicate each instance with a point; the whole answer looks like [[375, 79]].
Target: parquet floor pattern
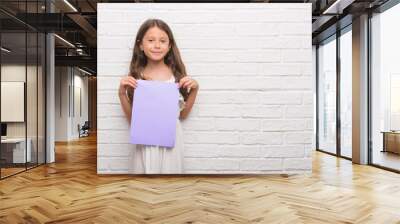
[[70, 191]]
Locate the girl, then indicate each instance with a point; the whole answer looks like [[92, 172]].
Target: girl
[[156, 57]]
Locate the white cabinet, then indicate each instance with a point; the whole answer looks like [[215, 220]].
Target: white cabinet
[[18, 149]]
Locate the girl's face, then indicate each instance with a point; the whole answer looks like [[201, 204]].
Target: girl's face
[[155, 44]]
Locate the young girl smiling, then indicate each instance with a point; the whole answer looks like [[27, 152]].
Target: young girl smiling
[[156, 57]]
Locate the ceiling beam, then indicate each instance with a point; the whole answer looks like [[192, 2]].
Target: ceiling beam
[[86, 26]]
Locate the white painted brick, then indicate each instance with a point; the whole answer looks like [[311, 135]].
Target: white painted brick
[[211, 164], [117, 29], [225, 124], [308, 98], [299, 137], [109, 110], [205, 30], [113, 123], [247, 68], [117, 56], [259, 29], [281, 98], [289, 42], [278, 69], [238, 43], [298, 83], [297, 163], [299, 111], [115, 150], [108, 83], [194, 112], [241, 16], [219, 111], [262, 112], [254, 83], [110, 42], [103, 163], [239, 151], [115, 136], [231, 68], [309, 124], [211, 137], [198, 124], [261, 164], [294, 28], [107, 97], [120, 164], [266, 138], [297, 15], [309, 150], [283, 125], [201, 150], [113, 69], [297, 55], [307, 68], [228, 97], [203, 55], [285, 151], [259, 56]]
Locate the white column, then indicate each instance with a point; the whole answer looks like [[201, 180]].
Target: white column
[[360, 90], [50, 93]]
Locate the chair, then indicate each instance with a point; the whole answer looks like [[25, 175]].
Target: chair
[[84, 130]]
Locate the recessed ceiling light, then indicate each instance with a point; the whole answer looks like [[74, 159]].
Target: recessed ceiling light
[[64, 40], [70, 5], [84, 71], [5, 49]]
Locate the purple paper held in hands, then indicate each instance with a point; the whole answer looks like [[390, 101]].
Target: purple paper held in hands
[[154, 113]]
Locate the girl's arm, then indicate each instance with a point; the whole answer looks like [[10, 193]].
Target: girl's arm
[[125, 104], [189, 104], [127, 83], [187, 82]]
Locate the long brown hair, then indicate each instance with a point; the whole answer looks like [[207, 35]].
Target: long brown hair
[[172, 59]]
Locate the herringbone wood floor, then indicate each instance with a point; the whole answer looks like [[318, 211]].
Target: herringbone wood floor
[[70, 191]]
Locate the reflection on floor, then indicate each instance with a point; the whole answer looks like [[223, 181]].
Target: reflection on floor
[[387, 159], [10, 169]]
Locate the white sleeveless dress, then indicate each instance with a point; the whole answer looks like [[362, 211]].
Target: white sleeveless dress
[[161, 160]]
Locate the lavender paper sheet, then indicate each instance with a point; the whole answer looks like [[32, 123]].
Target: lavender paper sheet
[[154, 113]]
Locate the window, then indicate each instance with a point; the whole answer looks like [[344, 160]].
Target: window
[[385, 89], [327, 95], [346, 92]]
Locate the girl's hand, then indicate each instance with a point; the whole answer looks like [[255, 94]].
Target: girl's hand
[[189, 83], [127, 82]]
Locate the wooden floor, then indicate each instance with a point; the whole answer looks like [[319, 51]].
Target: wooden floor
[[70, 191]]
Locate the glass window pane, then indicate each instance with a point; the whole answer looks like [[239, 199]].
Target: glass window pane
[[31, 97], [327, 96], [385, 83], [41, 98], [346, 94], [13, 86]]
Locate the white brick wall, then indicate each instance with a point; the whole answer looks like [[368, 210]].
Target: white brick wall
[[254, 111]]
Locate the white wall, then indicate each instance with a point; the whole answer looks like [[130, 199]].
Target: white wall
[[33, 127], [254, 111], [17, 73], [67, 80]]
